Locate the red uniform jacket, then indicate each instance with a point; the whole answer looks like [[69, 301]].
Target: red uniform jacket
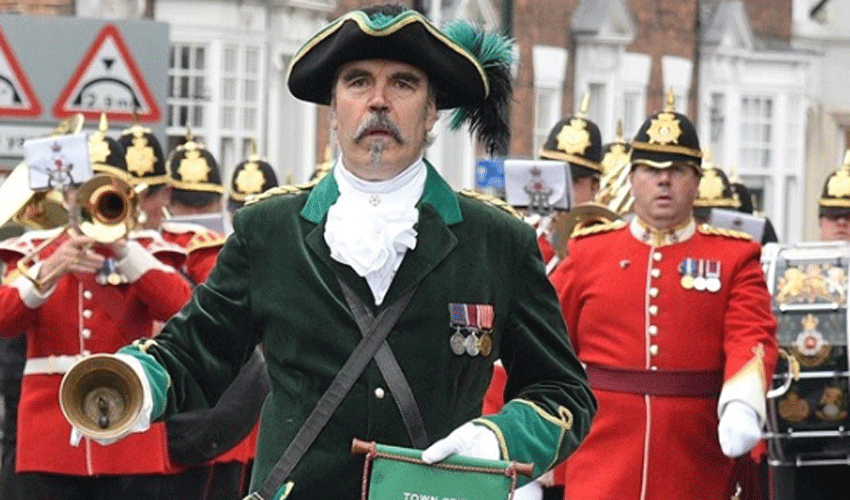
[[626, 306], [79, 317]]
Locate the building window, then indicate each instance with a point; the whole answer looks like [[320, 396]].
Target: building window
[[546, 114], [717, 122], [756, 131], [633, 107], [240, 101], [187, 90]]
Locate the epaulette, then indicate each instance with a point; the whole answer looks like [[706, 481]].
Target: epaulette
[[28, 241], [153, 241], [492, 200], [205, 239], [728, 233], [280, 191], [598, 228]]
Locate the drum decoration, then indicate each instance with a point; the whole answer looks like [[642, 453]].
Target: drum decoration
[[809, 420]]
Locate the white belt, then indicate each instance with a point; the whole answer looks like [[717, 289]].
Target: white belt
[[50, 365]]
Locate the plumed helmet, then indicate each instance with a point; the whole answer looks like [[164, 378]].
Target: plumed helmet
[[193, 168], [665, 138], [835, 198], [576, 140], [144, 157], [105, 153], [617, 153], [252, 176], [715, 190]]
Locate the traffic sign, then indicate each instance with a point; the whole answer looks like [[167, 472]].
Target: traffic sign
[[16, 95], [109, 81]]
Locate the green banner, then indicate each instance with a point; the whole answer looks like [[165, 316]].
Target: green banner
[[399, 474]]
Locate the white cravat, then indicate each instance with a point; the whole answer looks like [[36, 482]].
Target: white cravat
[[370, 227]]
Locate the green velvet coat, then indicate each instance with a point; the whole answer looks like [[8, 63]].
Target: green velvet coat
[[275, 284]]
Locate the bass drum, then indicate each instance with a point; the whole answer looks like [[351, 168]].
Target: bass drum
[[808, 418]]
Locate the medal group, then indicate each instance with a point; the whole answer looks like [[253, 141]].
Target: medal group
[[473, 325], [700, 275]]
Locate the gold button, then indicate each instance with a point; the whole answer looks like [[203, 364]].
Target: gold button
[[379, 393], [653, 330], [653, 292], [87, 313], [86, 333], [653, 349], [87, 294], [656, 256], [655, 272], [653, 309]]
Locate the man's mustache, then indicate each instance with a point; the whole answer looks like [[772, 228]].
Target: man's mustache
[[378, 122]]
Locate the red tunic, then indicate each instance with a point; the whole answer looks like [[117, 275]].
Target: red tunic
[[80, 317], [626, 307]]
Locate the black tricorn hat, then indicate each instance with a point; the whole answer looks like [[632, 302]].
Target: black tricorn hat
[[665, 138], [835, 199], [193, 168], [469, 69], [105, 153], [576, 140], [144, 157], [252, 176]]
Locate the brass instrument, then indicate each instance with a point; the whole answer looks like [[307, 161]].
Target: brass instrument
[[101, 396], [107, 210]]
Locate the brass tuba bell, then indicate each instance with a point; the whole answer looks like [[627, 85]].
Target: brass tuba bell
[[101, 396]]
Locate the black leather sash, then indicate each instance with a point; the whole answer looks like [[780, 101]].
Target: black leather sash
[[373, 339]]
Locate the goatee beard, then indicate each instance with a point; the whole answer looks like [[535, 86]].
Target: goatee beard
[[376, 152]]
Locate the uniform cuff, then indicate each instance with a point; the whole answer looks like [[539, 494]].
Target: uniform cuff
[[747, 386], [136, 261], [30, 295]]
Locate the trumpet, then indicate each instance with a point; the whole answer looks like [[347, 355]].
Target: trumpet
[[107, 209]]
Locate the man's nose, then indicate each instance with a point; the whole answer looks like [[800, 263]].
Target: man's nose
[[378, 98]]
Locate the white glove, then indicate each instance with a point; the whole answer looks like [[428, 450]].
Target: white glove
[[531, 491], [143, 420], [739, 430], [469, 440]]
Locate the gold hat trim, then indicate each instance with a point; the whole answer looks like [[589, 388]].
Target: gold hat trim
[[834, 202], [666, 164], [548, 154], [362, 21], [667, 148], [198, 186]]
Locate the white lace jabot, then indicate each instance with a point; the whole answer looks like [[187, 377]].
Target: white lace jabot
[[370, 227]]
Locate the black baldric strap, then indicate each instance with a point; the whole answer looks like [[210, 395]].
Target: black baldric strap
[[373, 339], [391, 372]]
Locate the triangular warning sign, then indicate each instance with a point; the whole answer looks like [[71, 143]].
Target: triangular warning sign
[[16, 95], [108, 81]]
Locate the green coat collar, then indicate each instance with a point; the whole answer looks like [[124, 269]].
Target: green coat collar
[[437, 193]]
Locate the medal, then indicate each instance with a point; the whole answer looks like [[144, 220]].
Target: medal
[[471, 344], [485, 345], [712, 276], [456, 343], [687, 268], [699, 281]]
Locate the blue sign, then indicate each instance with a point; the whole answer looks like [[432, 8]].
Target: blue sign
[[490, 176]]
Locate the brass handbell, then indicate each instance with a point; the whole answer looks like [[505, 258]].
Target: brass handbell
[[101, 396]]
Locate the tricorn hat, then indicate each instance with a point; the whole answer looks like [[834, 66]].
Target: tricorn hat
[[105, 153], [576, 140], [252, 176], [144, 157], [469, 69], [193, 168], [665, 138], [835, 199]]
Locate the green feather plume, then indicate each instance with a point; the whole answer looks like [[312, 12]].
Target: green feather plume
[[489, 119]]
